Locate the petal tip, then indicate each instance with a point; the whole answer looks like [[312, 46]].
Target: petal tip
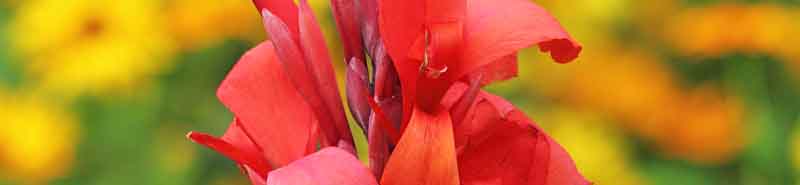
[[197, 137], [562, 50]]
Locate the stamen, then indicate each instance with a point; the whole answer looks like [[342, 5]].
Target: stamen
[[427, 68]]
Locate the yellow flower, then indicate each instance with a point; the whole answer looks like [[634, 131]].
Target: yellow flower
[[93, 46], [38, 137], [600, 152], [199, 23]]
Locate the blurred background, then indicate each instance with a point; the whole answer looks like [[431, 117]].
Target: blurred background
[[666, 92]]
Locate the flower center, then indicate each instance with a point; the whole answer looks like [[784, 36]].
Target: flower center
[[93, 27]]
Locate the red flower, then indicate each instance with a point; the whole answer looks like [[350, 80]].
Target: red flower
[[426, 118]]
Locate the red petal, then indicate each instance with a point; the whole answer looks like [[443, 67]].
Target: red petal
[[285, 9], [317, 57], [425, 154], [499, 145], [303, 76], [329, 166], [240, 156], [498, 28], [401, 23], [240, 139], [269, 108], [445, 11], [502, 69]]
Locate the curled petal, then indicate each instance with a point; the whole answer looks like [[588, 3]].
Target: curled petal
[[329, 166], [498, 28]]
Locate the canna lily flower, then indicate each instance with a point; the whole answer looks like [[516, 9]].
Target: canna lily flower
[[426, 118]]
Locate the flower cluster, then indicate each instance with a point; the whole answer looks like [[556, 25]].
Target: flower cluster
[[414, 74]]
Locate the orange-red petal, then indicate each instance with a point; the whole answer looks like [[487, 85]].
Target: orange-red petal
[[425, 154]]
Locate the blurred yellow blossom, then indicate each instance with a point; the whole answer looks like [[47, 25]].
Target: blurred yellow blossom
[[600, 152], [93, 46], [198, 23], [38, 137]]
